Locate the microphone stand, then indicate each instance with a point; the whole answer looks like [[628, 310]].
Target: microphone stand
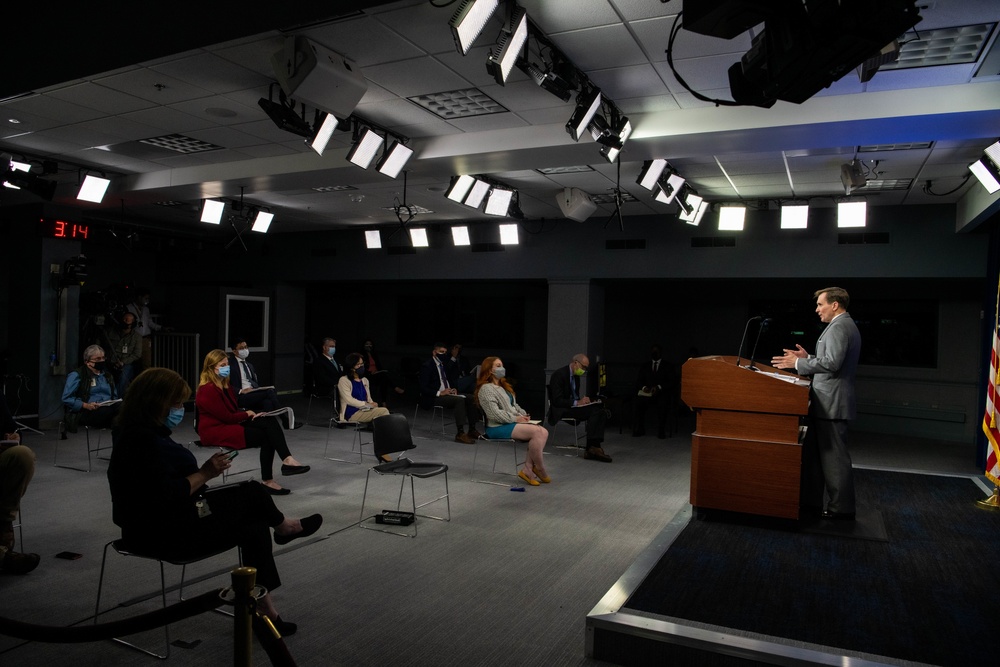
[[763, 327], [743, 340]]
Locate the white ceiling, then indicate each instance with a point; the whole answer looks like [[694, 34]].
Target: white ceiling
[[406, 49]]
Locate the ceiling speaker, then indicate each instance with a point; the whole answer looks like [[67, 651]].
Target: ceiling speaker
[[852, 176], [575, 204], [311, 73]]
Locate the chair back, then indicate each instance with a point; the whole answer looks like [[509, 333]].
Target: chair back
[[391, 434]]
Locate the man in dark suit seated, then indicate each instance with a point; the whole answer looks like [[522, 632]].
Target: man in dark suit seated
[[653, 388], [435, 389], [459, 369], [565, 400], [326, 370], [244, 380]]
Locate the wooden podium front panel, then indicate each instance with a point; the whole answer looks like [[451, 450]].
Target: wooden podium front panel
[[756, 425], [745, 476]]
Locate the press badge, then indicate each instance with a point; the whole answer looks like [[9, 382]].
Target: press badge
[[202, 505]]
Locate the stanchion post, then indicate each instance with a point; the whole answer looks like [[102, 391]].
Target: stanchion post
[[244, 579]]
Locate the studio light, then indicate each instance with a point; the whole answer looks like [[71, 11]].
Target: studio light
[[93, 189], [667, 189], [688, 200], [365, 147], [459, 188], [373, 240], [418, 237], [394, 159], [731, 218], [588, 103], [498, 201], [549, 79], [324, 133], [851, 213], [212, 210], [469, 20], [508, 234], [697, 213], [649, 175], [262, 221], [503, 57], [987, 173], [624, 129], [477, 194], [460, 235], [17, 180], [794, 216], [19, 166]]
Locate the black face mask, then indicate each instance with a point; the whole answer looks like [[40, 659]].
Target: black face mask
[[99, 366]]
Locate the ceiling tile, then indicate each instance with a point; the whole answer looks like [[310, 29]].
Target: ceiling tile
[[600, 48], [419, 76]]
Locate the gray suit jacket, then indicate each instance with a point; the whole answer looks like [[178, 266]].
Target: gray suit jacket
[[833, 368]]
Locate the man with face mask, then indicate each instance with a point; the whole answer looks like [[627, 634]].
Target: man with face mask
[[326, 370], [124, 350], [567, 399], [90, 397], [653, 387], [436, 389], [243, 378]]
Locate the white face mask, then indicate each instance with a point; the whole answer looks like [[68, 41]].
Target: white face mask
[[243, 354]]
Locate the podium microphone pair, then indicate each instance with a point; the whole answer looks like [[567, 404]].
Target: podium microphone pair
[[764, 323]]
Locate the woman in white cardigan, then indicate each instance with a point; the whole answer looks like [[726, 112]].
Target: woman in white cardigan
[[356, 404], [506, 419]]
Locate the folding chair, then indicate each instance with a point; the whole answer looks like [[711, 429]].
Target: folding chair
[[496, 456], [90, 450], [437, 412], [574, 422], [124, 548], [391, 434], [332, 397], [358, 441]]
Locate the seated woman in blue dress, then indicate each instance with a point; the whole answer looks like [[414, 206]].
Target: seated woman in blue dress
[[356, 404], [506, 419]]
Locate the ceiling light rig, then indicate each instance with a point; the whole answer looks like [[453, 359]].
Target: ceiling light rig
[[987, 168], [500, 199], [469, 21], [510, 45]]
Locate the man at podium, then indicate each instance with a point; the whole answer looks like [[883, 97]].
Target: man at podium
[[832, 404]]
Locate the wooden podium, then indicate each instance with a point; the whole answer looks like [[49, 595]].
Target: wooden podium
[[745, 451]]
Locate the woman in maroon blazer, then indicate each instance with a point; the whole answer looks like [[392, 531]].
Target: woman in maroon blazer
[[222, 423]]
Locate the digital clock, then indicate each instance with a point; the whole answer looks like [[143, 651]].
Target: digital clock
[[61, 229]]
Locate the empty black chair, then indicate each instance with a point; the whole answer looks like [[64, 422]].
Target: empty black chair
[[391, 434]]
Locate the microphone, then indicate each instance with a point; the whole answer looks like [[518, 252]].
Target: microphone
[[739, 354], [763, 327]]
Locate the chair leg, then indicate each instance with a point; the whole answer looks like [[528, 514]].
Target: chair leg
[[163, 599]]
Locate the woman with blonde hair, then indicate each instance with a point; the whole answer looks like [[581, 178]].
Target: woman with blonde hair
[[506, 419], [159, 492], [222, 423]]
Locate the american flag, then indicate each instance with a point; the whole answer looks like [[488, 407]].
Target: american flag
[[990, 425]]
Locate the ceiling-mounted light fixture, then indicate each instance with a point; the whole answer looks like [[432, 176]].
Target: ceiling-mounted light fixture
[[394, 159], [285, 118], [987, 174], [418, 237], [477, 193], [852, 213], [460, 235], [731, 218], [365, 147], [324, 132], [588, 102], [459, 187], [93, 188], [650, 173], [469, 20], [508, 234], [508, 49], [373, 240], [211, 211], [622, 129], [794, 216], [498, 201], [697, 213], [688, 200], [262, 221], [667, 188]]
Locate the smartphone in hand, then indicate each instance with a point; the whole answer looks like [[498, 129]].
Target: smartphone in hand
[[232, 454]]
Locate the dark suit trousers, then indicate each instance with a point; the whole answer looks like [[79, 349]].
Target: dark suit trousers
[[463, 407], [259, 401], [596, 418], [826, 464]]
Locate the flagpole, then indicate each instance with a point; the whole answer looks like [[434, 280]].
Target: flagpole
[[990, 419], [993, 502]]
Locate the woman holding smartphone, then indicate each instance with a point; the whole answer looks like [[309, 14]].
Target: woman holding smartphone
[[160, 496], [221, 422]]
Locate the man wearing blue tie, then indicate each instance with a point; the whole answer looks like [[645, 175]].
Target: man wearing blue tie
[[436, 389], [826, 461], [567, 400], [244, 380]]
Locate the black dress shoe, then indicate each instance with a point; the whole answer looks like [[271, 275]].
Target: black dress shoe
[[276, 492], [310, 525], [596, 454], [293, 470], [838, 516], [285, 628]]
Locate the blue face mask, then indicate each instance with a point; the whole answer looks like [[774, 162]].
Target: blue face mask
[[330, 352], [174, 417], [223, 372]]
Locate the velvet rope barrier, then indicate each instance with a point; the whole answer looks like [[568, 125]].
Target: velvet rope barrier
[[91, 633]]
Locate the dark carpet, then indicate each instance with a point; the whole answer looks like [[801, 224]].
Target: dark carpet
[[928, 594]]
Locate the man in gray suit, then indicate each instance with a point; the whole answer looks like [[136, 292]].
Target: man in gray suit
[[832, 404]]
